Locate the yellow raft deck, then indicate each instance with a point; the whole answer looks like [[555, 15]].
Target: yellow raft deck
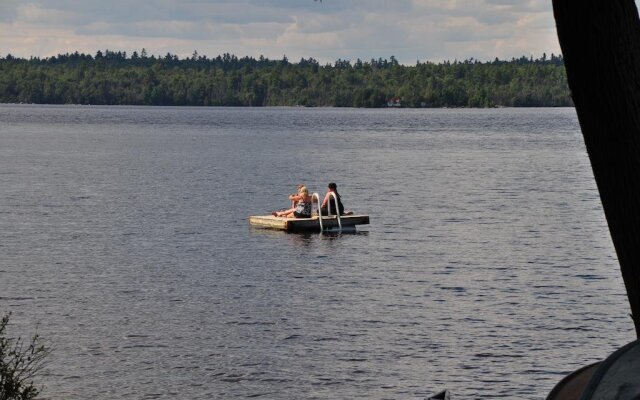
[[307, 224]]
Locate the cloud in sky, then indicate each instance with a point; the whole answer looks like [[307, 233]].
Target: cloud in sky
[[410, 30]]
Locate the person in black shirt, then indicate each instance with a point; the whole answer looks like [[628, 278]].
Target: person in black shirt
[[324, 208]]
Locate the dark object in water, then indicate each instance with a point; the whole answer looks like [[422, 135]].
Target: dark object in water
[[572, 386], [444, 395], [617, 377]]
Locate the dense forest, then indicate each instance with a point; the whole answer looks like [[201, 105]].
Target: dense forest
[[112, 77]]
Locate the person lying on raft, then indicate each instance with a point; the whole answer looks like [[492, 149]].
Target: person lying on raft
[[324, 208], [302, 208]]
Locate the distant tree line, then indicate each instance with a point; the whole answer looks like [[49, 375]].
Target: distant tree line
[[119, 78]]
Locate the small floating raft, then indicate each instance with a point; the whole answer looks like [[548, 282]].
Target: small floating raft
[[307, 224]]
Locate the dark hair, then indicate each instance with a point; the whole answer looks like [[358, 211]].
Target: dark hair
[[334, 187]]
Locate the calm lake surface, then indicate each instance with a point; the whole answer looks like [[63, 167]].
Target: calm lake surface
[[487, 268]]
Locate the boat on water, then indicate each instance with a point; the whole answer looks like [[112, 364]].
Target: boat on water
[[316, 223], [332, 222], [617, 378]]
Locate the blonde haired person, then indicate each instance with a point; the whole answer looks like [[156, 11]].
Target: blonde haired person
[[302, 208], [293, 203]]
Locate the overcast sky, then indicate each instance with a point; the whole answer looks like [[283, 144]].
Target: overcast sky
[[410, 30]]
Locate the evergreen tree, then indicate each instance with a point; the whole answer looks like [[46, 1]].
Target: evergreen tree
[[113, 77]]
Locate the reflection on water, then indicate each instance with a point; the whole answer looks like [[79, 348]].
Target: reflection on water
[[348, 231], [487, 268], [305, 238]]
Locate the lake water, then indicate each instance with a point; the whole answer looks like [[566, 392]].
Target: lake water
[[487, 268]]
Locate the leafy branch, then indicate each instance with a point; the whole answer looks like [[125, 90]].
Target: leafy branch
[[20, 362]]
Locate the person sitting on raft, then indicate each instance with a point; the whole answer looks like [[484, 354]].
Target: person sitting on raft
[[294, 202], [324, 208], [302, 208]]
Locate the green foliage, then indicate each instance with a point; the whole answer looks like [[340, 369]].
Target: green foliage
[[114, 78], [20, 361]]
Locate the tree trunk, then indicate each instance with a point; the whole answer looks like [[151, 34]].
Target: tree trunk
[[600, 41]]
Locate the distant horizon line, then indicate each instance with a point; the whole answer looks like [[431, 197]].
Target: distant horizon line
[[142, 54], [60, 105]]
